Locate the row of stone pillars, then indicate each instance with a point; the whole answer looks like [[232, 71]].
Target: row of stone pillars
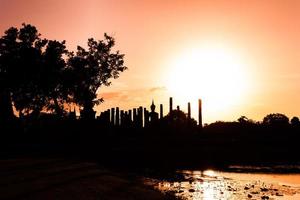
[[137, 117], [141, 117]]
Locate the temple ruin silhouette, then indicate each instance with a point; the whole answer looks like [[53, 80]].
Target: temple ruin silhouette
[[139, 117]]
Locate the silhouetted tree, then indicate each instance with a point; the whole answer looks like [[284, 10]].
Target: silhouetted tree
[[242, 119], [93, 68], [31, 71], [7, 59], [38, 74], [276, 119], [295, 122], [178, 119], [21, 62], [53, 76]]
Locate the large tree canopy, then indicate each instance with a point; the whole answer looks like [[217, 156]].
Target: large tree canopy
[[32, 68], [276, 119], [93, 68], [39, 74]]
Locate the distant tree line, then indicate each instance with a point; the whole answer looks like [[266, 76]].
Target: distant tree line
[[38, 74], [274, 122]]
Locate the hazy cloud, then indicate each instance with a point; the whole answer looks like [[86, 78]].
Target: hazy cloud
[[131, 97], [154, 89]]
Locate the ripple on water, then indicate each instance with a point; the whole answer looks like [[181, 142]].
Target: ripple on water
[[211, 185]]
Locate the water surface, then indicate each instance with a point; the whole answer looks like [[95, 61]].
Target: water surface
[[210, 185]]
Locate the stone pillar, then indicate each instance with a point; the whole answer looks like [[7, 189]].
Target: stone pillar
[[122, 118], [130, 115], [140, 117], [200, 113], [126, 118], [112, 116], [108, 115], [134, 117], [117, 116], [171, 105], [146, 118], [161, 111], [189, 110]]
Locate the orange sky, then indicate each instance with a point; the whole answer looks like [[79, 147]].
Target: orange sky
[[264, 33]]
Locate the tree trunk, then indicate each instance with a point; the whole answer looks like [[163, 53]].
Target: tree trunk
[[6, 110], [88, 112], [58, 109]]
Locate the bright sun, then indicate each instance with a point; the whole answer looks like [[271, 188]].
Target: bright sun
[[214, 74]]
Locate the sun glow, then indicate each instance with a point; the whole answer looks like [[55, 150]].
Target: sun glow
[[214, 74]]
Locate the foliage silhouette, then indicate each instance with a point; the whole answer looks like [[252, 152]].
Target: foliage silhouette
[[243, 119], [179, 121], [22, 64], [52, 76], [7, 55], [276, 119], [42, 75], [295, 122], [93, 68]]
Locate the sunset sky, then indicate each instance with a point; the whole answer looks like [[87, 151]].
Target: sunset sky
[[241, 57]]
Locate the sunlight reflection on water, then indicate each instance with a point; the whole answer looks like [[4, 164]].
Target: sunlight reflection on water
[[211, 185]]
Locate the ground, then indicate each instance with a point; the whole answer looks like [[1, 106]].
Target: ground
[[56, 178]]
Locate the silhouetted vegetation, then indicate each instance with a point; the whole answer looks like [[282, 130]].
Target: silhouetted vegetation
[[92, 68], [295, 122], [38, 74], [40, 78]]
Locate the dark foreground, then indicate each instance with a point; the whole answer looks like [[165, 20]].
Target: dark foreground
[[57, 178], [36, 177], [85, 160]]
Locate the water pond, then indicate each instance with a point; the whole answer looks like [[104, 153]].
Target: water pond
[[211, 185]]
